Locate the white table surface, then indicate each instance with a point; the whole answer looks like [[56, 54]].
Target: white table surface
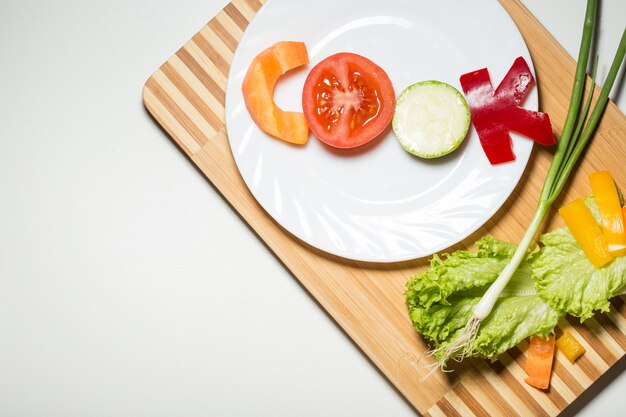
[[128, 287]]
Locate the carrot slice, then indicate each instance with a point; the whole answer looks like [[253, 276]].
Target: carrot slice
[[539, 362], [587, 232], [258, 91]]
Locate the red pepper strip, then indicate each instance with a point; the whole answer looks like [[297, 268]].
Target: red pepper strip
[[494, 113]]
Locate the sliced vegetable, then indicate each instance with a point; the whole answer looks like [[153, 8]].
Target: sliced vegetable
[[611, 217], [539, 362], [494, 113], [431, 119], [347, 100], [587, 232], [258, 91], [570, 347]]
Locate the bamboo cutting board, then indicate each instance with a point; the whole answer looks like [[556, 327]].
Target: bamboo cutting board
[[186, 97]]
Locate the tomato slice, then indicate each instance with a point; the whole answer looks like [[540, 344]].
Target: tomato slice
[[347, 100]]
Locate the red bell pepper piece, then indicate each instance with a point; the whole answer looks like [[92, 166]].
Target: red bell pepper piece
[[494, 113]]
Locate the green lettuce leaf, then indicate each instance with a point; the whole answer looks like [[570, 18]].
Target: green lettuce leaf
[[512, 320], [440, 300], [569, 282], [515, 319], [440, 322], [462, 270]]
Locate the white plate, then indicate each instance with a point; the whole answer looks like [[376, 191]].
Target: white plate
[[380, 203]]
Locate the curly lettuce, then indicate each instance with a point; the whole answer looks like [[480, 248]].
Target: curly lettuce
[[569, 282], [463, 270], [440, 300]]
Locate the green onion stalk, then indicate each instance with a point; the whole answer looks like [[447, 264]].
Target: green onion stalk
[[577, 131]]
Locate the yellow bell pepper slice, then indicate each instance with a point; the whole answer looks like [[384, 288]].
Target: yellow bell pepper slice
[[605, 193], [587, 232], [569, 346]]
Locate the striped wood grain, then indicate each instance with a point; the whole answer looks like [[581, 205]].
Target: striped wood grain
[[186, 97]]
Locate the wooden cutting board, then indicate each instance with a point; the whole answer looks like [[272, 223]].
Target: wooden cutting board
[[186, 97]]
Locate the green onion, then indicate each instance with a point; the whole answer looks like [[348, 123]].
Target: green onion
[[574, 138]]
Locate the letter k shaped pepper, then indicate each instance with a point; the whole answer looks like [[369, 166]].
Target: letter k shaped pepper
[[494, 113]]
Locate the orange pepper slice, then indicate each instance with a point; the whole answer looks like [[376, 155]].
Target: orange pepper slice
[[258, 91], [587, 232], [539, 362], [612, 220]]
